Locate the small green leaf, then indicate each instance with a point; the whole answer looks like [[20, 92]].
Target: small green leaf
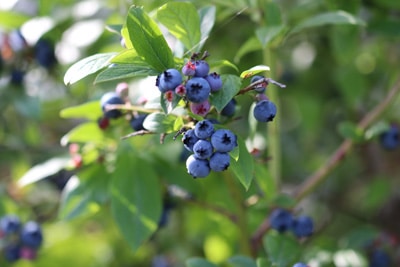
[[114, 28], [263, 262], [148, 40], [87, 66], [85, 132], [266, 181], [272, 13], [207, 20], [376, 129], [253, 71], [223, 63], [182, 20], [12, 20], [128, 56], [241, 261], [125, 71], [90, 110], [251, 45], [243, 168], [335, 17], [199, 262], [160, 122], [266, 35], [281, 249], [230, 87], [351, 131]]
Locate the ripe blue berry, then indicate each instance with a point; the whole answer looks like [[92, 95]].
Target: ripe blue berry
[[169, 80], [189, 69], [12, 252], [281, 220], [10, 224], [17, 77], [229, 109], [197, 90], [391, 138], [261, 87], [303, 226], [204, 129], [220, 161], [300, 264], [111, 98], [223, 140], [31, 234], [203, 149], [196, 167], [201, 68], [189, 139], [44, 53], [215, 81], [379, 258], [137, 122], [264, 111]]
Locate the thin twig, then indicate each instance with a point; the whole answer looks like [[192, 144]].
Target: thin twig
[[254, 85]]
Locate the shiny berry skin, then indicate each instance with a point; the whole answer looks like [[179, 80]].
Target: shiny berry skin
[[111, 98], [264, 111], [303, 226], [220, 161], [198, 168], [201, 68], [391, 138], [201, 109], [189, 69], [281, 220], [202, 149], [169, 80], [229, 109], [10, 224], [189, 139], [215, 81], [31, 234], [137, 122], [300, 264], [204, 129], [260, 88], [197, 90], [223, 140]]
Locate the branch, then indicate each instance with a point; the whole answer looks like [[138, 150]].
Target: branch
[[264, 81]]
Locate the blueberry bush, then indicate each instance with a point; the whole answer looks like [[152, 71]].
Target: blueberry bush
[[188, 133]]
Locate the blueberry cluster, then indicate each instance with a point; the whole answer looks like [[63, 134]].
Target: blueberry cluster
[[390, 139], [19, 241], [283, 220], [197, 86], [264, 110], [210, 148]]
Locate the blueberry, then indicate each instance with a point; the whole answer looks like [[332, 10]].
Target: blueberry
[[300, 264], [281, 220], [103, 123], [204, 129], [111, 98], [10, 224], [44, 53], [215, 81], [201, 109], [260, 88], [17, 76], [264, 111], [197, 90], [169, 80], [379, 258], [201, 68], [220, 161], [303, 226], [229, 109], [137, 122], [223, 140], [203, 149], [31, 234], [189, 139], [196, 167], [391, 138], [12, 252], [189, 69]]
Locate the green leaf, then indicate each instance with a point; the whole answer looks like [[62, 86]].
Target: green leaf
[[281, 249], [136, 197], [241, 261], [148, 40], [114, 28], [376, 129], [43, 170], [90, 110], [199, 262], [125, 71], [334, 18], [128, 56], [243, 168], [182, 21], [12, 20], [266, 35], [85, 132], [230, 87], [251, 45], [87, 66], [223, 63], [266, 181], [262, 262], [207, 20], [351, 131], [272, 13], [253, 71], [160, 122]]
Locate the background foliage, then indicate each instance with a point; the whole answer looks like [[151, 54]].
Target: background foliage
[[338, 60]]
